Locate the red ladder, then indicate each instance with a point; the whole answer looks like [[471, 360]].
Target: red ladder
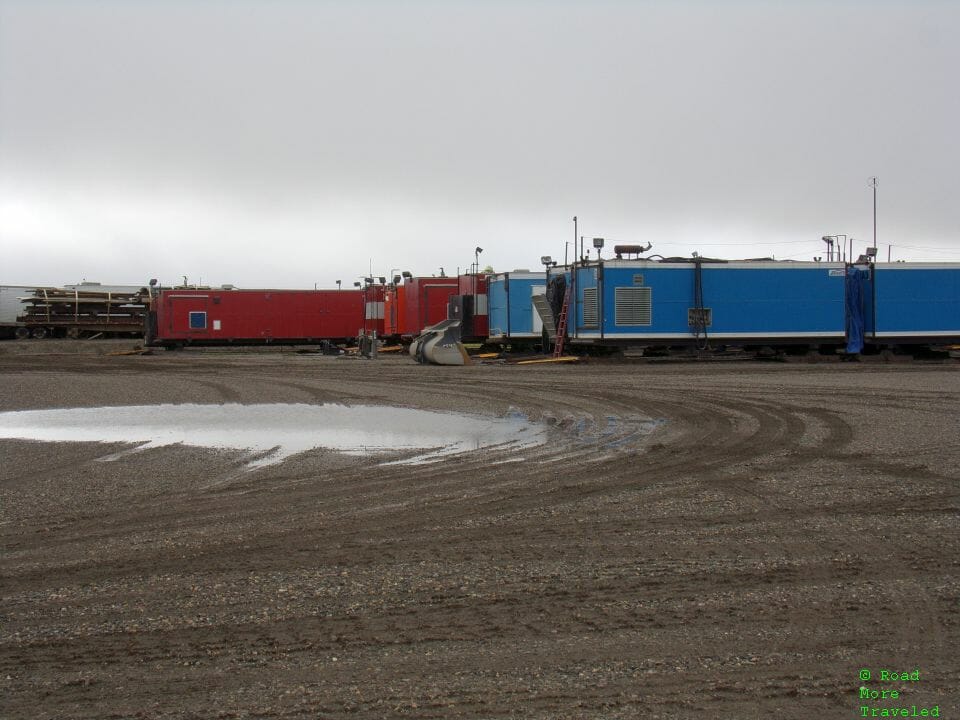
[[562, 324]]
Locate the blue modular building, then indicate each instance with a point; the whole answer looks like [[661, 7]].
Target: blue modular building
[[655, 302], [510, 311], [742, 302], [902, 304], [912, 303]]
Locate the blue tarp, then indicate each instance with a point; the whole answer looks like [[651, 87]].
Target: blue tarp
[[855, 279]]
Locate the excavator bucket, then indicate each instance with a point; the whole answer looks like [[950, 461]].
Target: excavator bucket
[[440, 345]]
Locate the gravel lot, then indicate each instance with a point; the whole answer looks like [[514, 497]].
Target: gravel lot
[[784, 527]]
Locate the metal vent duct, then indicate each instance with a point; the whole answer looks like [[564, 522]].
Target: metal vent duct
[[591, 317], [633, 305]]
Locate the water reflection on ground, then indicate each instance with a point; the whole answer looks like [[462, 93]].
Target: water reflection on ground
[[272, 432]]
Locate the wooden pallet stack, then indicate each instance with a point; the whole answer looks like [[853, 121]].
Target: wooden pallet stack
[[82, 312]]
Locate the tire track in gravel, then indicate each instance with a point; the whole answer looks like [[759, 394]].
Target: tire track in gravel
[[923, 626], [501, 588], [225, 393]]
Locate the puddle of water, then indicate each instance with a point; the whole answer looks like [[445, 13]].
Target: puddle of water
[[277, 431]]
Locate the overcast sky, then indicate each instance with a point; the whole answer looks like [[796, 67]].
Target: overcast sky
[[290, 143]]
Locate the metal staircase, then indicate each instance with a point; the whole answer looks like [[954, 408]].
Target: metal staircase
[[562, 324], [542, 307]]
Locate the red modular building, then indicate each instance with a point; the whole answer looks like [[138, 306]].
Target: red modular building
[[394, 311], [419, 303], [219, 317], [373, 302], [473, 290]]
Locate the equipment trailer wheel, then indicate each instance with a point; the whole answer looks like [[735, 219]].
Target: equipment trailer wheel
[[39, 333], [21, 333]]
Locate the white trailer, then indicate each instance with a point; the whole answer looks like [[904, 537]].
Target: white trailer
[[11, 307]]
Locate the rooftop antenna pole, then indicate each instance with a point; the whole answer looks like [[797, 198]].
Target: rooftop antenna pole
[[873, 184], [574, 240]]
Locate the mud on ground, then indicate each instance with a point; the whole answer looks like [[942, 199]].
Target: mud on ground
[[785, 527]]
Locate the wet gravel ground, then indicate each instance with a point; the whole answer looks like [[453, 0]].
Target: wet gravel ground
[[697, 540]]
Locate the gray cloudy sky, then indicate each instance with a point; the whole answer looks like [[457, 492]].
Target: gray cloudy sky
[[290, 143]]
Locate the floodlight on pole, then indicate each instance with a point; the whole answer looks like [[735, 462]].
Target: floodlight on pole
[[828, 239], [598, 245], [841, 249]]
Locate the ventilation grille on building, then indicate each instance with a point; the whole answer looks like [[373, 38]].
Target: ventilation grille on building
[[699, 317], [633, 305], [591, 317]]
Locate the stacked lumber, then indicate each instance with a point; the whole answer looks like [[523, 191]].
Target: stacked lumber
[[87, 309]]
